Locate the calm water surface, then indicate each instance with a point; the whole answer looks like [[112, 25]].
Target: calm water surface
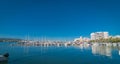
[[60, 55]]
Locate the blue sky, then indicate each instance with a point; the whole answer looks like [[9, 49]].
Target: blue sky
[[58, 18]]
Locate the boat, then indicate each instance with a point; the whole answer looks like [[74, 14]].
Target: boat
[[4, 57]]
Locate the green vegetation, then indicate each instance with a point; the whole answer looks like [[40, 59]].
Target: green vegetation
[[10, 40], [111, 40]]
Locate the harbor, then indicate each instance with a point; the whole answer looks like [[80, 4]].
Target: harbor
[[59, 31], [46, 53]]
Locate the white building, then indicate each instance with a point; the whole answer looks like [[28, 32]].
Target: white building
[[92, 36], [78, 39], [98, 35], [106, 35], [82, 39]]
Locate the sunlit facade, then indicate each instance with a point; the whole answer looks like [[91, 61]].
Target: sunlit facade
[[99, 35]]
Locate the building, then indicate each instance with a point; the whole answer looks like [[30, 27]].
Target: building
[[92, 36], [99, 35], [85, 39], [78, 39], [106, 35], [82, 39]]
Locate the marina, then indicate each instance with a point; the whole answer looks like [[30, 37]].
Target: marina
[[61, 43], [52, 53], [59, 31]]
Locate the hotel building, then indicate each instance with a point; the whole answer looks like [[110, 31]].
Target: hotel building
[[99, 35]]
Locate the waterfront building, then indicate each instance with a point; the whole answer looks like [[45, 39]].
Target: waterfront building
[[85, 39], [82, 39], [99, 35], [93, 36], [78, 39], [106, 35]]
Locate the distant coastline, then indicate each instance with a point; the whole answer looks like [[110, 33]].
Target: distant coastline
[[10, 40]]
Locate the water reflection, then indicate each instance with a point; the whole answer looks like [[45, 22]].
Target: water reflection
[[102, 50], [105, 50], [42, 53], [119, 52], [96, 49], [4, 62]]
